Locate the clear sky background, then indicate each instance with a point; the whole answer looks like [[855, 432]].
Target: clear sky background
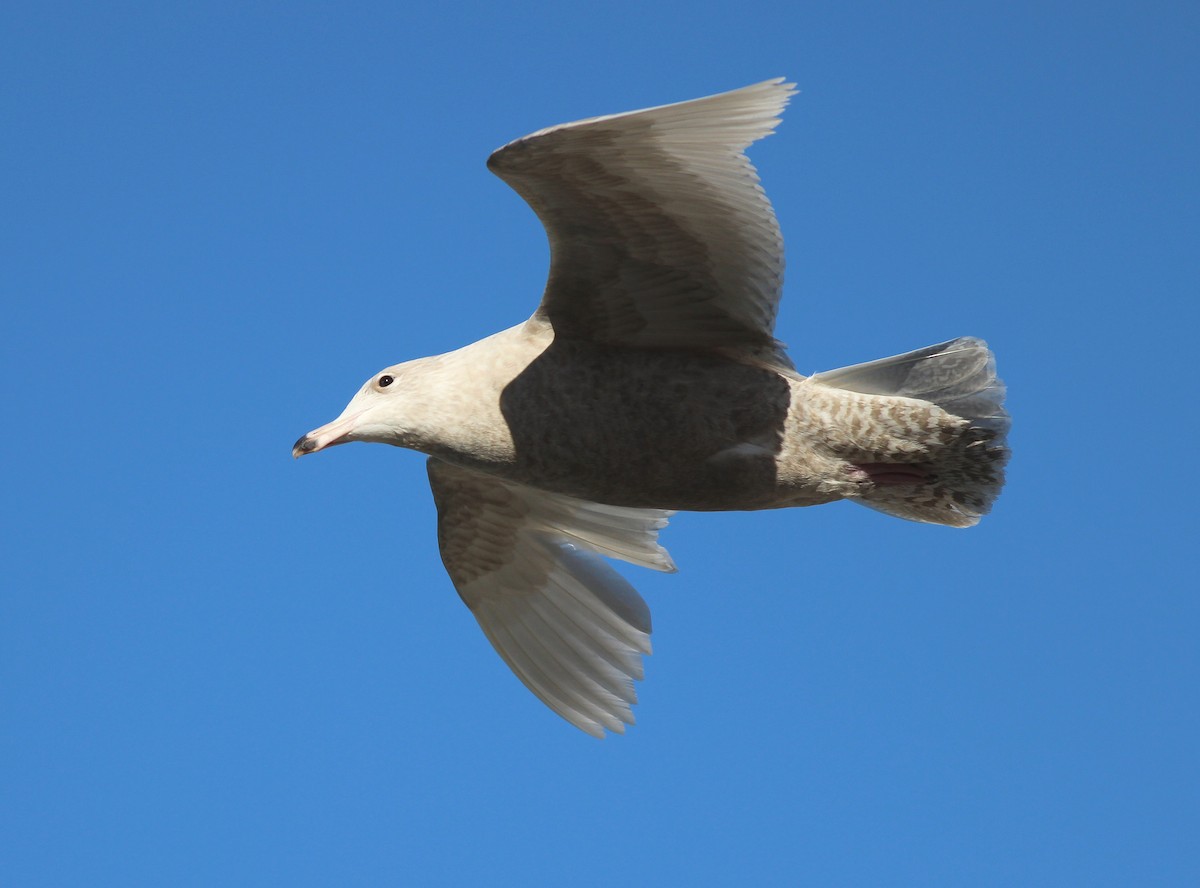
[[224, 667]]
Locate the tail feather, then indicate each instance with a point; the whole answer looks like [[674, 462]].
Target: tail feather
[[967, 472]]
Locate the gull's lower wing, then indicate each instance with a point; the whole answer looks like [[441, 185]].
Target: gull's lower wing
[[527, 563]]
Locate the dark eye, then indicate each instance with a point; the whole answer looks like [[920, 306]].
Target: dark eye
[[385, 381]]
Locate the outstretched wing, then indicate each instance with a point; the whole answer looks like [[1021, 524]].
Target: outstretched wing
[[527, 563], [660, 235]]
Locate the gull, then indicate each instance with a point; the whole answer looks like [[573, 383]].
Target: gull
[[649, 381]]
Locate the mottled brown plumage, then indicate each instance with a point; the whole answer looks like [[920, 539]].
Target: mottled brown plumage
[[649, 380]]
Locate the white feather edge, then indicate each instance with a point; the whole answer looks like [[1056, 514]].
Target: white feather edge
[[739, 116], [616, 531]]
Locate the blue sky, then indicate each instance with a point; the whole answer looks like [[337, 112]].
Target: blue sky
[[219, 666]]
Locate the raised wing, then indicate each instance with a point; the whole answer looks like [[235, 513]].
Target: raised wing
[[660, 235], [527, 563]]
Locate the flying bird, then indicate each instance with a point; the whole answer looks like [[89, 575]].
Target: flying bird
[[648, 381]]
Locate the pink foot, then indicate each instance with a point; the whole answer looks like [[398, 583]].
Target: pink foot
[[891, 474]]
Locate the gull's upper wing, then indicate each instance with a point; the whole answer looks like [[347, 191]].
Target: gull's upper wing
[[660, 235], [527, 563]]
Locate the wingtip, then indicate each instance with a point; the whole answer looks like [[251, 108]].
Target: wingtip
[[788, 86], [781, 85]]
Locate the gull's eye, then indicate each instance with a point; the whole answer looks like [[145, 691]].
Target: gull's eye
[[385, 380]]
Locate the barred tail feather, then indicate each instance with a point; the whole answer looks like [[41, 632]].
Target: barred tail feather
[[966, 472]]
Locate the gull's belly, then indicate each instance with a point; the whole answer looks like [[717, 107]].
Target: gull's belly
[[651, 429]]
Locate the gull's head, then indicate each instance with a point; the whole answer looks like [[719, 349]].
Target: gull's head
[[374, 414]]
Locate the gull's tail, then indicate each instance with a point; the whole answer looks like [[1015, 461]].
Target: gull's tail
[[961, 456]]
